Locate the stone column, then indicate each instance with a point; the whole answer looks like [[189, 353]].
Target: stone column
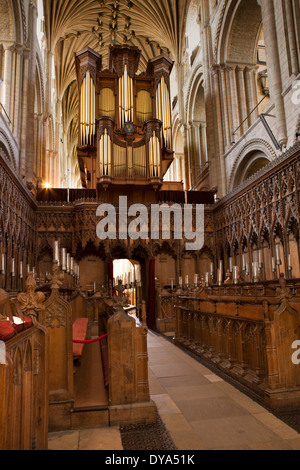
[[274, 67], [18, 73], [188, 183], [24, 117], [30, 163], [202, 131], [6, 86], [220, 180], [243, 98], [226, 123], [214, 144], [252, 94], [292, 37], [219, 122], [234, 103]]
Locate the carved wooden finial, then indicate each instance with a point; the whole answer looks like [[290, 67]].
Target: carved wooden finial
[[284, 293], [31, 301], [57, 276], [144, 313]]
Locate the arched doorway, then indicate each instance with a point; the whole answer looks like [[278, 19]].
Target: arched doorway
[[127, 274]]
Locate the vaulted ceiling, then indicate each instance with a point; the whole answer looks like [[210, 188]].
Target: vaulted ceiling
[[154, 26]]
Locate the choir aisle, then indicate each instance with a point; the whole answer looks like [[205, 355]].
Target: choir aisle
[[198, 408]]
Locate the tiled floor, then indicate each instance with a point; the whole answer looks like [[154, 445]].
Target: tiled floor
[[199, 409]]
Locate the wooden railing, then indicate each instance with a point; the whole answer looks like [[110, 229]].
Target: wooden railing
[[248, 334]]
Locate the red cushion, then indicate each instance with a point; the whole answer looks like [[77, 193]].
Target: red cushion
[[6, 331], [19, 328], [28, 322]]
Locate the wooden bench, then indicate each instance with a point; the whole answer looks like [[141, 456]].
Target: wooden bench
[[79, 334]]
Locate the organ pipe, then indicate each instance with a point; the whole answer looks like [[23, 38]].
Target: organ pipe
[[126, 98], [87, 111], [163, 112], [154, 156], [105, 154]]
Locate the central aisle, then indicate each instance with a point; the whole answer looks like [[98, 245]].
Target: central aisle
[[202, 412], [199, 410]]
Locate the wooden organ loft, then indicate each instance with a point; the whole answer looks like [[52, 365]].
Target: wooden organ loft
[[125, 133]]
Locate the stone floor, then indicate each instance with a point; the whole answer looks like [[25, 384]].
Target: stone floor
[[199, 409]]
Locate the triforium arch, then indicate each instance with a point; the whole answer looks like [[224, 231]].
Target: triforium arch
[[252, 158], [196, 129], [240, 70], [177, 170]]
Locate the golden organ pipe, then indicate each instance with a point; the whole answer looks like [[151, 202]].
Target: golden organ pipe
[[105, 151], [125, 92], [109, 156], [81, 114], [131, 99], [120, 101], [151, 155]]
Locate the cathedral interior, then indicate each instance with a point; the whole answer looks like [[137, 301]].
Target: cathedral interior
[[168, 104]]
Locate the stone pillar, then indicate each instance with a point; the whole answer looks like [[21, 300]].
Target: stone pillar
[[188, 183], [215, 149], [24, 118], [30, 163], [220, 180], [251, 93], [234, 104], [226, 123], [17, 113], [274, 67], [6, 86], [292, 37], [204, 140], [243, 98]]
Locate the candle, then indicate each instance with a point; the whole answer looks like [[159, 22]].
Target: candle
[[3, 264], [278, 260], [207, 279], [247, 269], [243, 263], [290, 268], [138, 273], [220, 277], [21, 270], [94, 286], [196, 280], [260, 263], [211, 269], [230, 265], [186, 280], [172, 284], [129, 278], [236, 274], [273, 265], [64, 259], [180, 281], [72, 265], [255, 272], [13, 267], [28, 268], [56, 251], [68, 262], [33, 273]]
